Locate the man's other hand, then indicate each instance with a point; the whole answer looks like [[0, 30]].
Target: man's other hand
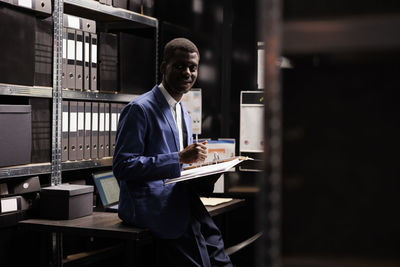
[[193, 153]]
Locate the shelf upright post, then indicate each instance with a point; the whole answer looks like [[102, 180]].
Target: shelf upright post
[[57, 93]]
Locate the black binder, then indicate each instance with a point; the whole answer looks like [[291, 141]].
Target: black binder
[[136, 49], [17, 46], [65, 130], [88, 131], [107, 130], [86, 62], [41, 129], [81, 130], [135, 6], [113, 128], [44, 52], [93, 62], [72, 134], [79, 60], [108, 62], [95, 130], [71, 59], [101, 130]]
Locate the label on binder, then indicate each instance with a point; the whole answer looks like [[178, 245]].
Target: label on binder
[[64, 44], [79, 52], [72, 125], [87, 48], [65, 121], [87, 121], [107, 126], [95, 126], [71, 49], [101, 126], [73, 22], [114, 122], [80, 121], [94, 53]]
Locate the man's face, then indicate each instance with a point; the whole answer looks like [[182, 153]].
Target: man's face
[[180, 72]]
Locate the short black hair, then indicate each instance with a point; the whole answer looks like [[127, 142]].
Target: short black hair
[[181, 44]]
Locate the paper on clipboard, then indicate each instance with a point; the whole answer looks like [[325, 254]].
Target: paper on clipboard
[[208, 169]]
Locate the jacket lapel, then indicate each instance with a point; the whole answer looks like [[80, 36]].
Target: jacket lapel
[[166, 111]]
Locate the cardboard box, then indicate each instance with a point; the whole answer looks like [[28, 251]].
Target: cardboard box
[[66, 201]]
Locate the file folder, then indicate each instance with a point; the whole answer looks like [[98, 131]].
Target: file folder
[[95, 130], [81, 130], [64, 59], [65, 130], [44, 52], [71, 59], [120, 3], [93, 62], [72, 134], [101, 130], [108, 62], [79, 60], [114, 122], [86, 62], [107, 130], [88, 131]]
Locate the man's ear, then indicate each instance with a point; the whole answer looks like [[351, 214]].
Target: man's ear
[[162, 67]]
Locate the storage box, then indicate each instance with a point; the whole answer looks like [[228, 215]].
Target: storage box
[[66, 201], [15, 134]]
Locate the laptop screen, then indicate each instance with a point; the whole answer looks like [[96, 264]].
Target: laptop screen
[[107, 186]]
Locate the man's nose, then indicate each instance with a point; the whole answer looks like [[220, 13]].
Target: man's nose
[[186, 72]]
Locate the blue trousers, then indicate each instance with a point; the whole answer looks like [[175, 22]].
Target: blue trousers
[[201, 245]]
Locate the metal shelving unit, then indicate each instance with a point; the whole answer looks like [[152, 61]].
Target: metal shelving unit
[[22, 90], [97, 96], [107, 18], [27, 169]]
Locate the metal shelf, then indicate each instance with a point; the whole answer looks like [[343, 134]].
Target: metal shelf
[[102, 13], [27, 169], [86, 164], [23, 90], [97, 96]]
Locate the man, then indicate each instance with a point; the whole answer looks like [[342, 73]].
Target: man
[[154, 140]]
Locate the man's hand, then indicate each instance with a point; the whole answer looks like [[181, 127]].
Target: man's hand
[[193, 153]]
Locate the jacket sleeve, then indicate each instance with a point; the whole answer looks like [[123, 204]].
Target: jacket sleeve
[[129, 161]]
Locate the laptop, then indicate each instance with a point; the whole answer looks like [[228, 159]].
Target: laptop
[[108, 189]]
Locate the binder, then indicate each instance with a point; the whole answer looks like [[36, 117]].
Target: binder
[[65, 130], [79, 60], [87, 131], [17, 47], [120, 3], [72, 22], [93, 62], [70, 59], [108, 62], [64, 59], [113, 129], [72, 133], [44, 52], [107, 130], [109, 2], [86, 61], [41, 129], [101, 130], [95, 131], [148, 7], [81, 130]]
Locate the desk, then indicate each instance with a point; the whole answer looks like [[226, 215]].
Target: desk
[[107, 225]]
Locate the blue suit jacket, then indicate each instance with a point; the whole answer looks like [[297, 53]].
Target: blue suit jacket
[[146, 155]]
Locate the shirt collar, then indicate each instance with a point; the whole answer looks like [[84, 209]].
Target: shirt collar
[[171, 101]]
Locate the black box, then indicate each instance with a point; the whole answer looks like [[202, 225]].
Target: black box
[[66, 201], [15, 134]]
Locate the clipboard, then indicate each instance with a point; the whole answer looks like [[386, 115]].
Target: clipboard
[[209, 168]]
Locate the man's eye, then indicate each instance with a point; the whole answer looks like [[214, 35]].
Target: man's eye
[[179, 67], [193, 68]]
